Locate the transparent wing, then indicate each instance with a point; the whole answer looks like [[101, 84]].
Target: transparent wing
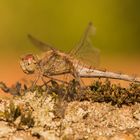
[[89, 55], [85, 51], [39, 44]]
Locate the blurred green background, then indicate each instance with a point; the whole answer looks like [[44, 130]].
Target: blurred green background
[[62, 22]]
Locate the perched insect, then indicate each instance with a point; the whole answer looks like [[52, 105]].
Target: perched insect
[[77, 63]]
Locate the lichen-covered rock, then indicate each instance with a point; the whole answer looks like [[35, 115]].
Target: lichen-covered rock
[[43, 116], [85, 119]]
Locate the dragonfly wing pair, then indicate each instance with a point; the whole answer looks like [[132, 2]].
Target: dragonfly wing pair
[[84, 51]]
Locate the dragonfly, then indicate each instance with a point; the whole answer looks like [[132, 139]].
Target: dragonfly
[[80, 62]]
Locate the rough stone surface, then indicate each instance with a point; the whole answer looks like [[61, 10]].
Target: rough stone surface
[[81, 120]]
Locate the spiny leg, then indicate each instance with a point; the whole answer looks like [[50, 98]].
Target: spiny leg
[[82, 87], [66, 75], [52, 78], [35, 82], [77, 78]]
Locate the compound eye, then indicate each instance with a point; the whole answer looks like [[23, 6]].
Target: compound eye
[[29, 61]]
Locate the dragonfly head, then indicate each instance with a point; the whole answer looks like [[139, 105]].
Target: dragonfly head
[[28, 63]]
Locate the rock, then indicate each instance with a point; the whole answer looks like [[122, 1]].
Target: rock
[[81, 120], [123, 137], [21, 135], [49, 135], [44, 135], [5, 130], [101, 138]]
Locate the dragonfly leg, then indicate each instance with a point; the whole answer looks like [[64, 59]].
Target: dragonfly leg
[[55, 79], [77, 78], [35, 82]]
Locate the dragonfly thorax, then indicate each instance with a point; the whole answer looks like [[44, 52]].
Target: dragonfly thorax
[[55, 64]]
